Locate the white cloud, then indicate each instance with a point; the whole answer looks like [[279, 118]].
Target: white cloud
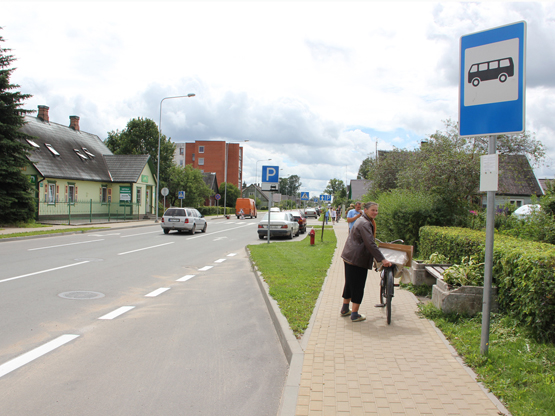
[[311, 85]]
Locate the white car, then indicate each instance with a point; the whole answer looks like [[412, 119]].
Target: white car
[[281, 224], [525, 210], [275, 209], [310, 212], [183, 219]]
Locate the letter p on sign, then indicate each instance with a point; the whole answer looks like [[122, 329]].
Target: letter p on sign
[[270, 174]]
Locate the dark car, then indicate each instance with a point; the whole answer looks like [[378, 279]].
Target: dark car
[[301, 219]]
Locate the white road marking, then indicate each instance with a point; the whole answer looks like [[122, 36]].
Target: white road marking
[[34, 354], [117, 312], [231, 254], [43, 271], [63, 245], [185, 278], [133, 235], [220, 260], [157, 292], [220, 238], [205, 268], [209, 234], [146, 248]]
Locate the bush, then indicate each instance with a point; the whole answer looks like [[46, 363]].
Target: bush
[[523, 271]]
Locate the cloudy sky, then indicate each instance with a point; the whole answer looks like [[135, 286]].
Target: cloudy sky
[[312, 85]]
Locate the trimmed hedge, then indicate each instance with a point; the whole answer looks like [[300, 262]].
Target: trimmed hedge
[[523, 271]]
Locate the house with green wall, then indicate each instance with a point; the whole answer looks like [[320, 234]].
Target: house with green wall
[[75, 175]]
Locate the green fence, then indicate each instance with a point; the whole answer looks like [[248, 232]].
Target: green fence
[[81, 212]]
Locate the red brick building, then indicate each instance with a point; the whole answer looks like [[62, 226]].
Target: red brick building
[[209, 156]]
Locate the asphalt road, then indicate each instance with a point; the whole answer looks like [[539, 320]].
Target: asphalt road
[[135, 322]]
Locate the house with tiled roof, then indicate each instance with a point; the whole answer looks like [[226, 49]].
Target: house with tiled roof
[[255, 192], [76, 175]]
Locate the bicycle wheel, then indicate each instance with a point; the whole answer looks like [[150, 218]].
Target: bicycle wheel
[[389, 293]]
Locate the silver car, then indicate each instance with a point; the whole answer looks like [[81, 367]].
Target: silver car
[[183, 219], [281, 224]]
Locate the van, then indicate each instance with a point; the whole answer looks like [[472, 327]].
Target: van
[[247, 205]]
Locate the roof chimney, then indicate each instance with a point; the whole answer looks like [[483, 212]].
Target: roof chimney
[[43, 113], [74, 122]]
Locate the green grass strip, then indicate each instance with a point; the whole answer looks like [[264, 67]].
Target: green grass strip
[[518, 370], [295, 272], [59, 231]]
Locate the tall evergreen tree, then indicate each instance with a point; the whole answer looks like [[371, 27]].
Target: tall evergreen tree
[[16, 198]]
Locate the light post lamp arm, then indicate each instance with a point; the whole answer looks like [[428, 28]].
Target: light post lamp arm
[[159, 138]]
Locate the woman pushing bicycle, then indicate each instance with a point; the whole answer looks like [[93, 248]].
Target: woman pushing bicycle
[[358, 254]]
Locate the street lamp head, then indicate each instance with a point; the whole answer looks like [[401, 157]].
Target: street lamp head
[[190, 95]]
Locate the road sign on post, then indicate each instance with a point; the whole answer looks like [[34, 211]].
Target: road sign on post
[[304, 196], [270, 178], [492, 81]]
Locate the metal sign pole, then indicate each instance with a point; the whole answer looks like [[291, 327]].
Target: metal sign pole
[[269, 213], [488, 262]]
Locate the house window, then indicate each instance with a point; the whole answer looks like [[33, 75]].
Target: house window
[[71, 193], [201, 161], [201, 149], [32, 143], [52, 150], [139, 196], [180, 163], [181, 151], [517, 202], [87, 152], [51, 193], [104, 194]]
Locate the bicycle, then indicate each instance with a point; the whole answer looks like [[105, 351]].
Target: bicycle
[[399, 255]]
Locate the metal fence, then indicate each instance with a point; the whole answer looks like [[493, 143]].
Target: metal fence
[[83, 212]]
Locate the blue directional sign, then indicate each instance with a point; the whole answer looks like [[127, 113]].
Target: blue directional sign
[[304, 196], [492, 81], [181, 195], [325, 197]]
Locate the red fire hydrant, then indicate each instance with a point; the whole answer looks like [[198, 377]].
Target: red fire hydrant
[[312, 234]]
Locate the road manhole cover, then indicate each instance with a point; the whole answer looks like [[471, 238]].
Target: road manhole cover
[[81, 295]]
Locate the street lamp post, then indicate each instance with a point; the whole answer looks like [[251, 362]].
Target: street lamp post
[[159, 137]]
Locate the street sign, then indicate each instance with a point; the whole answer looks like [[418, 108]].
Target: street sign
[[325, 197], [165, 191], [304, 196], [270, 178], [218, 196], [492, 81], [181, 195]]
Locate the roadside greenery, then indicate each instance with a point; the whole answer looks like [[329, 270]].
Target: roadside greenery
[[519, 370], [295, 272], [46, 232]]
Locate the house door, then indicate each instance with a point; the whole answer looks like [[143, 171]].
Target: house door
[[148, 205]]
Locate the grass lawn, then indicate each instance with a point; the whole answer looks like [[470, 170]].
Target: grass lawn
[[295, 272], [31, 233], [518, 370]]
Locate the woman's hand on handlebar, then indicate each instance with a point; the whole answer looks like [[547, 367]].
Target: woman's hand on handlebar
[[386, 263]]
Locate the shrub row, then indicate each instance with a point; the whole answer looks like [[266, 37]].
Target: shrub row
[[523, 271]]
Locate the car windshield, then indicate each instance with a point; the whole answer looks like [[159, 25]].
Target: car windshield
[[276, 216]]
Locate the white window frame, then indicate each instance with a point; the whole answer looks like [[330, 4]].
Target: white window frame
[[51, 193], [71, 194], [201, 149], [201, 161]]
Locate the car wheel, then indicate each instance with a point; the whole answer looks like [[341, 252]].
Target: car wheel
[[261, 236], [194, 229], [204, 228], [166, 231], [298, 232]]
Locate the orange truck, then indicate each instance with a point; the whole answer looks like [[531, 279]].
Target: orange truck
[[247, 205]]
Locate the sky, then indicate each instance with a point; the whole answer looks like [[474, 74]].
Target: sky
[[315, 86]]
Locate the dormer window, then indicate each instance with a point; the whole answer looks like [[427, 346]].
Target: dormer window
[[52, 150], [81, 155], [32, 143], [87, 152]]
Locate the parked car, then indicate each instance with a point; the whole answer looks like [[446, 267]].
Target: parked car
[[247, 205], [183, 219], [281, 224], [525, 210], [301, 219], [310, 212]]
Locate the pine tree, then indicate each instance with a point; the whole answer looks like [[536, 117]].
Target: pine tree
[[16, 197]]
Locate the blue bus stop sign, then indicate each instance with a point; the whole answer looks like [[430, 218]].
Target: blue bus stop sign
[[492, 81]]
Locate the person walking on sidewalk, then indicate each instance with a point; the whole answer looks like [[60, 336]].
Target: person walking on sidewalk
[[333, 213], [358, 255], [354, 214]]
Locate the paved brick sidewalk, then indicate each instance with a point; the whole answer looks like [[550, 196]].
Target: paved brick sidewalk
[[370, 368]]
